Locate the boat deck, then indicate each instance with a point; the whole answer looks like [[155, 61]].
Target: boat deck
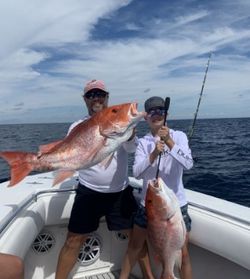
[[109, 275]]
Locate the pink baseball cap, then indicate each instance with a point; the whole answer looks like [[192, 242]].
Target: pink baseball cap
[[95, 84]]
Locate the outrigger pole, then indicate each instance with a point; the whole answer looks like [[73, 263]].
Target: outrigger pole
[[166, 107], [191, 130]]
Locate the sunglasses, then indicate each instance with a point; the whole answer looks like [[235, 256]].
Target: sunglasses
[[96, 94], [157, 111]]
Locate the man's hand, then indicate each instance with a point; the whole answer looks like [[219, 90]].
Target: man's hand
[[159, 147], [163, 133]]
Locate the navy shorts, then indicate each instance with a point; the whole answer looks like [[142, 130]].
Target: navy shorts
[[141, 218], [89, 206]]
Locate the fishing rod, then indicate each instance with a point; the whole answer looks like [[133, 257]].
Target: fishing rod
[[166, 107], [191, 130]]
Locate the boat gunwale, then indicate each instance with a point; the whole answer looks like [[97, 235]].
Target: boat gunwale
[[38, 193], [220, 214], [26, 203]]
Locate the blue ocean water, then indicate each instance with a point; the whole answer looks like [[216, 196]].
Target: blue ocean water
[[221, 148]]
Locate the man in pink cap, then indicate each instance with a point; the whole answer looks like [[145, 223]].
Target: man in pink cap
[[101, 191], [95, 96]]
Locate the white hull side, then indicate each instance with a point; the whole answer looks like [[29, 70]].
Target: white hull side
[[219, 242]]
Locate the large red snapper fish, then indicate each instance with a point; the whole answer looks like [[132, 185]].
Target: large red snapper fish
[[166, 228], [88, 144]]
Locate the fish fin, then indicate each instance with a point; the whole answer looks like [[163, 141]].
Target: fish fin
[[45, 148], [108, 132], [104, 132], [19, 167], [106, 162], [62, 175]]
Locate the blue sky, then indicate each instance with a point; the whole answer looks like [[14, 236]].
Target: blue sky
[[140, 48]]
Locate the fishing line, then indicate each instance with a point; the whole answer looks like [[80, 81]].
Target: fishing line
[[191, 130], [166, 107]]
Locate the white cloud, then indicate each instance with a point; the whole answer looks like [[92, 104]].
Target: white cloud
[[49, 22], [181, 20], [49, 50]]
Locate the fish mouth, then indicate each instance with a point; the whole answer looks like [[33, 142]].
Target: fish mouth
[[134, 112], [133, 109], [156, 186]]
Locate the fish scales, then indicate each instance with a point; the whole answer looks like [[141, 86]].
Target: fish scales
[[88, 144], [166, 228]]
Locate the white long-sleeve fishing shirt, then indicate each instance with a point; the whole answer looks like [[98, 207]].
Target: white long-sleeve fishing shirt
[[114, 177], [172, 163]]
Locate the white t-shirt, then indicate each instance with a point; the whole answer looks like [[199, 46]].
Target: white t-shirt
[[171, 165], [114, 177]]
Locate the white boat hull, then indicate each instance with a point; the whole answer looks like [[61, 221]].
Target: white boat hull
[[220, 236]]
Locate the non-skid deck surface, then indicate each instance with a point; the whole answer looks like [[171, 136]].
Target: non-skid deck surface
[[109, 275]]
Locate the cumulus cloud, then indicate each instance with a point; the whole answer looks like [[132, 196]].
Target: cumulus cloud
[[50, 48]]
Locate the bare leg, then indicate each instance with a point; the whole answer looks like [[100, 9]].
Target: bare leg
[[186, 269], [136, 248], [68, 255], [11, 267], [144, 262]]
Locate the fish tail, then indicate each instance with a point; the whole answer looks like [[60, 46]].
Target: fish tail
[[168, 271], [20, 164]]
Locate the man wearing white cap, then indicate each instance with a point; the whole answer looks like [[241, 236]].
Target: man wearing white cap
[[101, 191]]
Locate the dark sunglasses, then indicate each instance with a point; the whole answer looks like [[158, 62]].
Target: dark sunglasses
[[95, 94], [157, 111]]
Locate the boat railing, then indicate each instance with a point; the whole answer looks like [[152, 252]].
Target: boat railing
[[137, 184], [27, 202], [221, 214], [34, 197]]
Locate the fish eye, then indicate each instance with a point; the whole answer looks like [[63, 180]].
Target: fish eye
[[114, 110]]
